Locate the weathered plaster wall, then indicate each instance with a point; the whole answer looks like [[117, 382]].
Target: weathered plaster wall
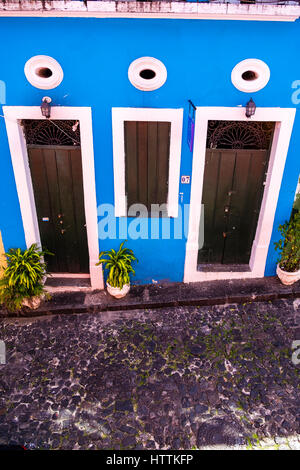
[[95, 55]]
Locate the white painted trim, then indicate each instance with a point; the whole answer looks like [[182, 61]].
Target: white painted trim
[[284, 118], [142, 63], [43, 61], [156, 9], [19, 156], [257, 66], [175, 117]]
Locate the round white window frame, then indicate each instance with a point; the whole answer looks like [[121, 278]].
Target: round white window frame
[[43, 61], [147, 63], [257, 66]]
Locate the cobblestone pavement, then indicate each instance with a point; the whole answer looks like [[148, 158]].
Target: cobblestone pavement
[[180, 378]]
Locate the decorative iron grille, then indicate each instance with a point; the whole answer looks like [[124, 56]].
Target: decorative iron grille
[[48, 132], [239, 135]]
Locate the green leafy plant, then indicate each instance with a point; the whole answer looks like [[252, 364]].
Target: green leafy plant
[[23, 277], [118, 263], [297, 202], [289, 245]]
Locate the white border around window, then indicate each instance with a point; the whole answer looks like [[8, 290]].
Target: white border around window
[[147, 63], [18, 150], [284, 120], [175, 117], [258, 67], [43, 62]]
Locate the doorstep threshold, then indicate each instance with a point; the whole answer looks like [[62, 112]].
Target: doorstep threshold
[[223, 268], [70, 275], [67, 282], [166, 296]]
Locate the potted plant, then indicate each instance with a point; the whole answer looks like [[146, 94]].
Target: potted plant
[[119, 267], [288, 268], [22, 283]]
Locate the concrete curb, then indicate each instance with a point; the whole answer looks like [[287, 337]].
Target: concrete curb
[[166, 296]]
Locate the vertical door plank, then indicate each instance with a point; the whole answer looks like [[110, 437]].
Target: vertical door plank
[[164, 129], [131, 176], [41, 195], [55, 205], [80, 221], [224, 184], [68, 231], [142, 162], [257, 169], [153, 157], [209, 195]]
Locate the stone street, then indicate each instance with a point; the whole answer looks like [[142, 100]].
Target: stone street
[[170, 378]]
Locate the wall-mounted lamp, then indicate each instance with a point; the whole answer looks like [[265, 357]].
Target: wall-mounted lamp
[[250, 108], [46, 107]]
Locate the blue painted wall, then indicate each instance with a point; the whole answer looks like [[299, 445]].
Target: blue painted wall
[[95, 55]]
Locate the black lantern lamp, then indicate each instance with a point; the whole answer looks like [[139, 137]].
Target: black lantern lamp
[[46, 107], [250, 108]]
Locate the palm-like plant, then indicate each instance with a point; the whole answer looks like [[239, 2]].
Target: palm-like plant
[[23, 276], [289, 245], [118, 263]]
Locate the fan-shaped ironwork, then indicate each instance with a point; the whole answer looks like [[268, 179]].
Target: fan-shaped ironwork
[[48, 132], [239, 135]]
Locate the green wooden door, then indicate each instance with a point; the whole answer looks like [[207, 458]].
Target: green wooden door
[[58, 191], [232, 194]]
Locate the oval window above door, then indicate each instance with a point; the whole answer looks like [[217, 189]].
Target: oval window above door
[[147, 73], [43, 72], [250, 75]]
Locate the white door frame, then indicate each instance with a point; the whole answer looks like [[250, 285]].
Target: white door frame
[[119, 116], [284, 119], [17, 144]]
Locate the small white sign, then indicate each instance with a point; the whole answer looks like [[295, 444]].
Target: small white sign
[[185, 179], [45, 219]]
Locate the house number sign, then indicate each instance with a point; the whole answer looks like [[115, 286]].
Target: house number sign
[[185, 179]]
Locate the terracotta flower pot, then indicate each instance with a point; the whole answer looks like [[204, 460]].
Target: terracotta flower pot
[[32, 303], [116, 292], [286, 277]]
